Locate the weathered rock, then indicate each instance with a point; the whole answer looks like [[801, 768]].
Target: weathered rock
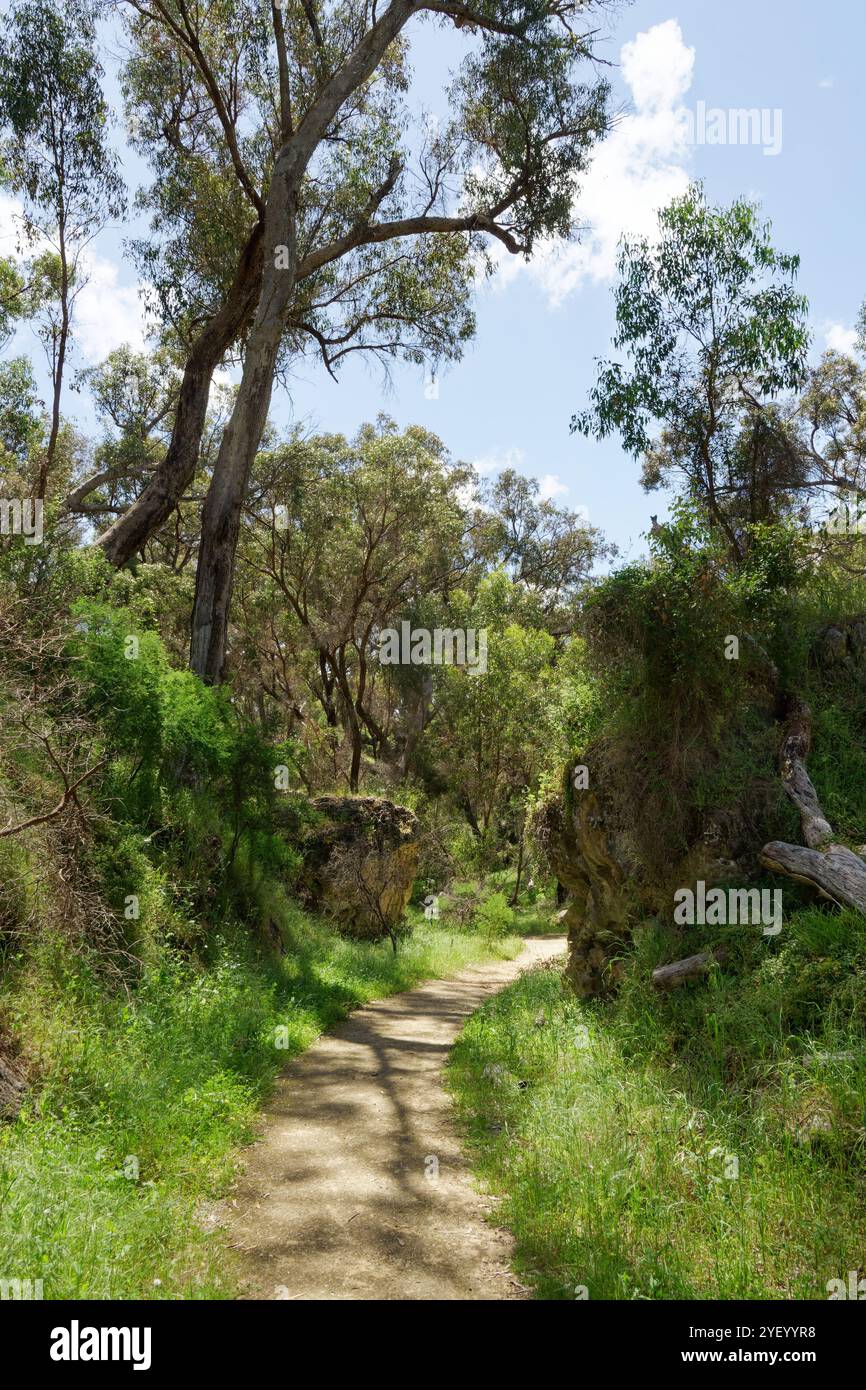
[[360, 861], [586, 838], [578, 847], [841, 643], [599, 835], [832, 646]]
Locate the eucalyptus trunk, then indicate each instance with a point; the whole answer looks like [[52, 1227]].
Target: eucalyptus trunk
[[222, 511], [162, 494], [221, 515]]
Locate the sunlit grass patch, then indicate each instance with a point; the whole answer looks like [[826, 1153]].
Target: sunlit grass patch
[[144, 1099], [620, 1181]]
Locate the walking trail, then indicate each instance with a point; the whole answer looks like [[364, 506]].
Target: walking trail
[[336, 1201]]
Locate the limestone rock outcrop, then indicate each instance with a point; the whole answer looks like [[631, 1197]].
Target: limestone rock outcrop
[[360, 860]]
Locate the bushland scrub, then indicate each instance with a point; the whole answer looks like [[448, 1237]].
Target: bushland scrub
[[156, 972], [706, 1142], [192, 658]]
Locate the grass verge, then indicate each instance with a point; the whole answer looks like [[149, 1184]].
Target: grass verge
[[143, 1099], [626, 1168]]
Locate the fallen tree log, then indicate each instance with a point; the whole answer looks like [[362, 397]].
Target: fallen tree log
[[679, 971], [834, 870], [793, 752]]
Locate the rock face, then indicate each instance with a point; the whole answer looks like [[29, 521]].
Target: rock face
[[586, 838], [842, 643], [578, 846], [617, 881], [360, 861]]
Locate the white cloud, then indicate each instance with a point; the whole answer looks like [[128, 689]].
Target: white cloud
[[497, 459], [658, 67], [840, 338], [11, 235], [550, 486], [106, 314], [639, 168], [827, 82]]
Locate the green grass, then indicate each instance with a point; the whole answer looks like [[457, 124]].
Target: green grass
[[144, 1099], [691, 1148]]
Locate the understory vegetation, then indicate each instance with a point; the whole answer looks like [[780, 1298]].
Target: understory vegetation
[[699, 1135], [291, 719], [156, 966], [145, 1083], [708, 1142], [706, 1146]]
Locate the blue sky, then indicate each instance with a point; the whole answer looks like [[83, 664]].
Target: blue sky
[[540, 327]]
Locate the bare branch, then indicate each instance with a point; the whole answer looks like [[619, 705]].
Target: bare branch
[[68, 795]]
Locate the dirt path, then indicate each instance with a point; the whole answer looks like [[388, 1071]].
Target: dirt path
[[335, 1201]]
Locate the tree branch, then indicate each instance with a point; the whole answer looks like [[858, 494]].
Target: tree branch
[[68, 795]]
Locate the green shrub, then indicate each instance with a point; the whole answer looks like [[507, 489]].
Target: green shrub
[[493, 916]]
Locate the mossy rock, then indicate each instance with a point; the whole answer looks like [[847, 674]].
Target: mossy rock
[[360, 858]]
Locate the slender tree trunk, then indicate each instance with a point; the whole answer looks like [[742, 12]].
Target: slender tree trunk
[[47, 463], [326, 698], [176, 471], [221, 515], [355, 767], [516, 894], [471, 819], [417, 724], [242, 436], [351, 721]]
